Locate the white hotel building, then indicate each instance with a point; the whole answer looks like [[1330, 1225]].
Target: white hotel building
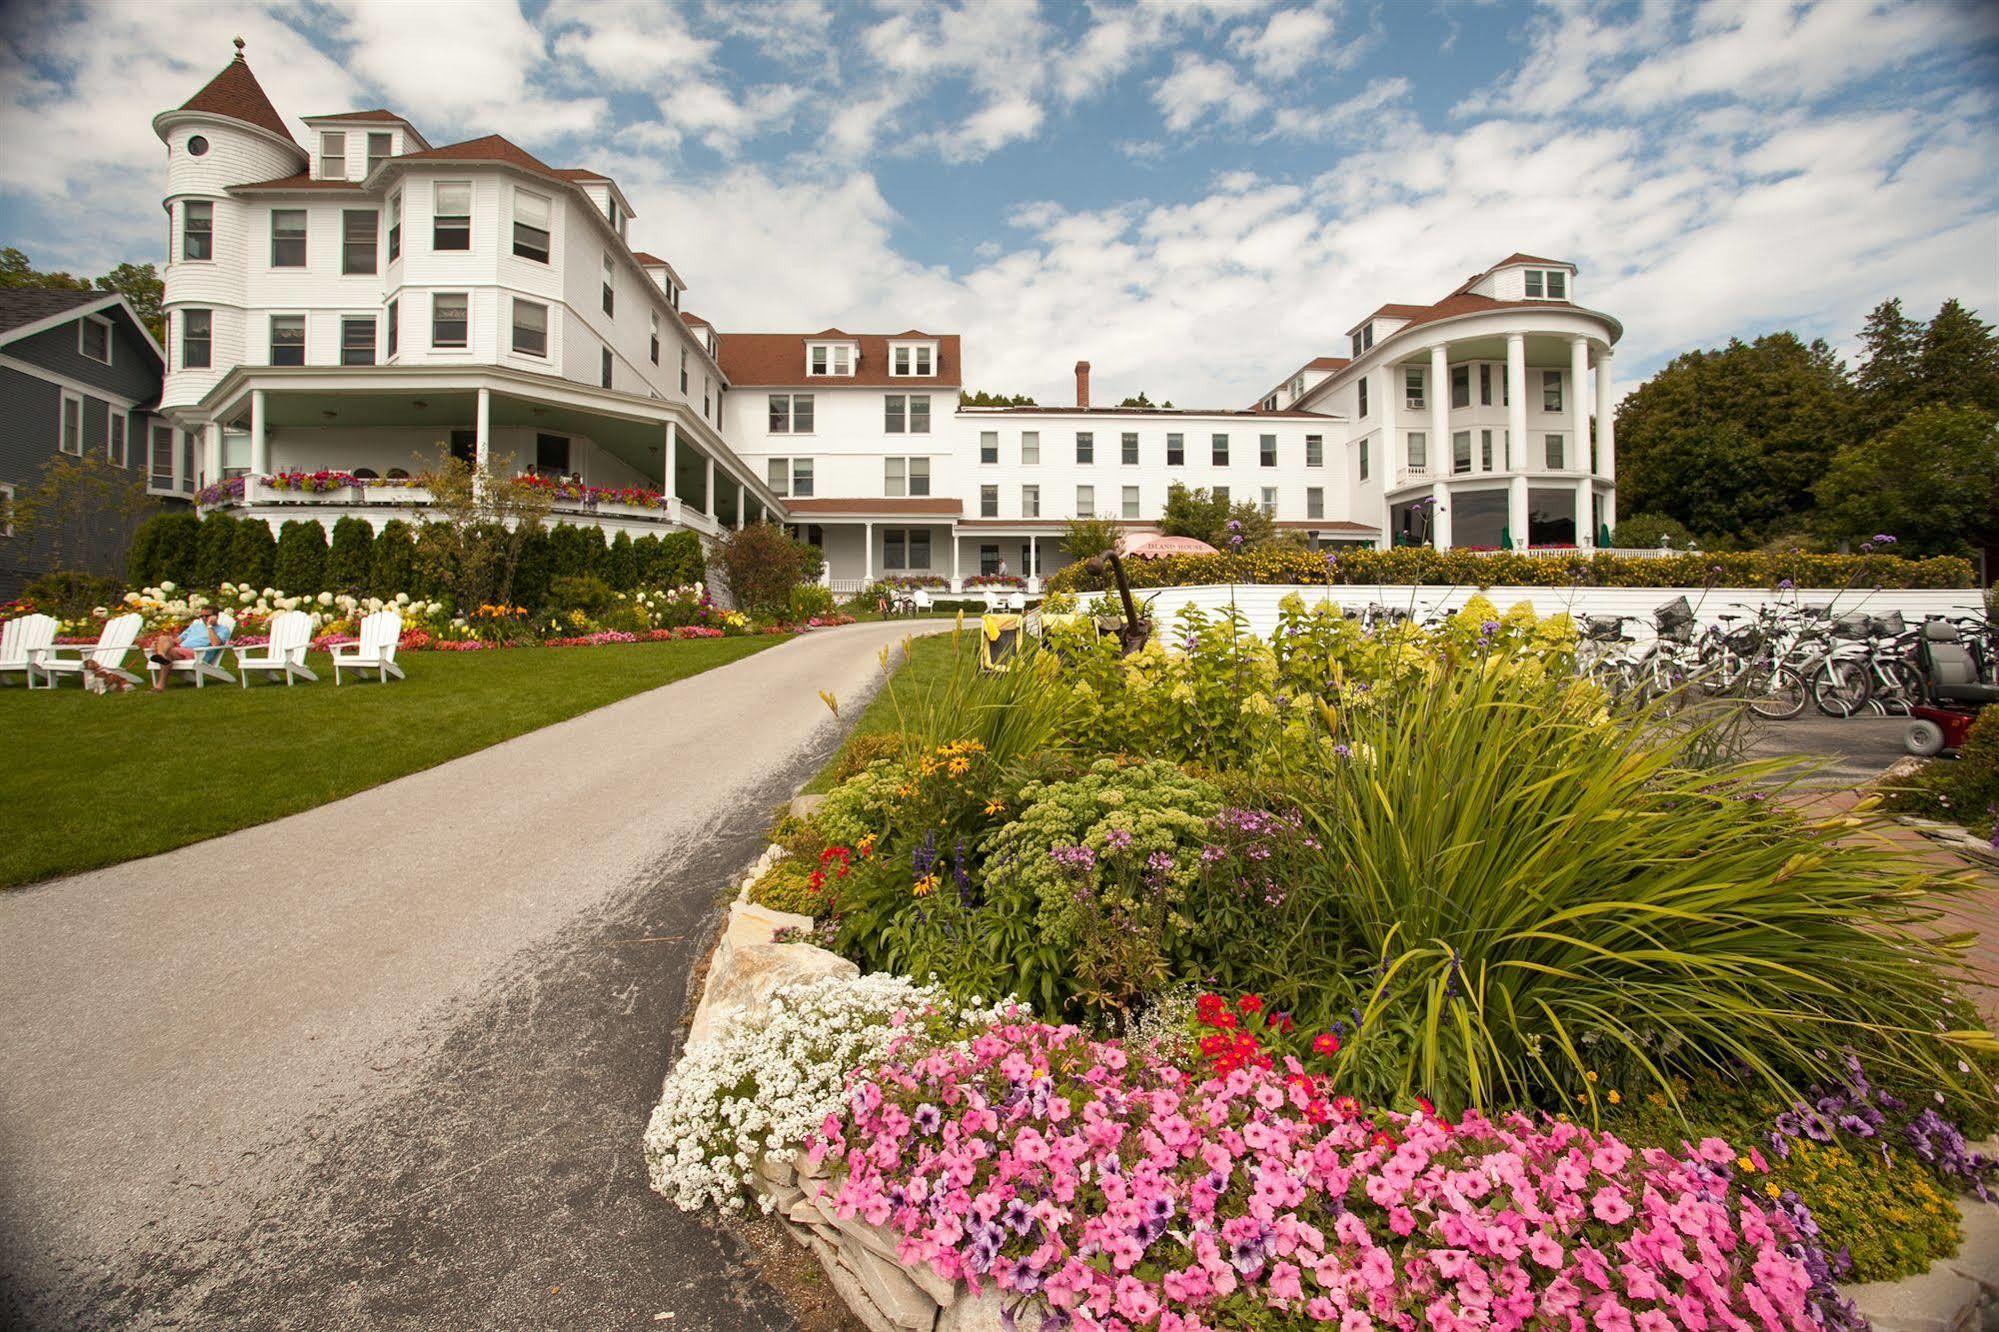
[[357, 302]]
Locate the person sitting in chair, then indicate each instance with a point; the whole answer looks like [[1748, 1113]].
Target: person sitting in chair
[[204, 635]]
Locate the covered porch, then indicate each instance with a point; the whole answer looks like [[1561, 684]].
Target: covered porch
[[608, 459]]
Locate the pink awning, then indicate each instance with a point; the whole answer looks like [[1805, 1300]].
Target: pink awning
[[1152, 546]]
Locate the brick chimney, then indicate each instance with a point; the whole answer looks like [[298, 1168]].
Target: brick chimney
[[1082, 383]]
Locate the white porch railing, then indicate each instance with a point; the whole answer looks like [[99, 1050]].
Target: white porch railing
[[380, 503]]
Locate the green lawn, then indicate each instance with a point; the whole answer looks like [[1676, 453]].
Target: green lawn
[[929, 659], [92, 781]]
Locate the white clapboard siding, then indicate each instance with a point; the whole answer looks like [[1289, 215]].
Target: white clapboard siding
[[1258, 603]]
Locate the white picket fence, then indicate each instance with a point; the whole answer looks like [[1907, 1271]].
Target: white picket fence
[[1258, 603]]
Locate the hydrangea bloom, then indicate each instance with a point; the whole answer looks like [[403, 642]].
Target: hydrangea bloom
[[1114, 1188]]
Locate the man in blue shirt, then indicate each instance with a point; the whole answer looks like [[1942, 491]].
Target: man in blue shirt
[[204, 636]]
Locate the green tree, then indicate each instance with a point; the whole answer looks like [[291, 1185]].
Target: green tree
[[1651, 531], [350, 560], [16, 270], [215, 551], [1730, 442], [1885, 380], [80, 515], [981, 398], [621, 571], [392, 563], [1139, 401], [761, 566], [141, 285], [1931, 482], [1205, 516], [1958, 365], [1087, 538], [252, 553], [163, 550], [300, 567]]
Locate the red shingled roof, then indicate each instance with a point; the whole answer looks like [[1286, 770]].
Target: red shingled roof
[[235, 93], [378, 114], [1528, 259], [489, 148], [774, 359], [646, 258], [580, 173], [1465, 302]]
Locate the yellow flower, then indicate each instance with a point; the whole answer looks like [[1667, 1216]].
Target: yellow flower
[[924, 886], [866, 845], [1590, 1077], [1772, 1189], [1744, 1164], [959, 767], [996, 807], [1616, 1097]]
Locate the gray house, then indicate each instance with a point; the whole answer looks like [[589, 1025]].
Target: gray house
[[79, 375]]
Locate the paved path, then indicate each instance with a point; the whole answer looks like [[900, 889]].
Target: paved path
[[385, 1063]]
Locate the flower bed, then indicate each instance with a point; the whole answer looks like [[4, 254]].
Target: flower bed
[[1014, 581], [576, 492]]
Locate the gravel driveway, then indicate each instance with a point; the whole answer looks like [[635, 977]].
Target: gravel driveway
[[385, 1063]]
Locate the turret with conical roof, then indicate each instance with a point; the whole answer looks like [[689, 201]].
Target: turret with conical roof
[[227, 134]]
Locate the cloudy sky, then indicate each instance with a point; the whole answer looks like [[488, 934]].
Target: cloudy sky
[[1194, 196]]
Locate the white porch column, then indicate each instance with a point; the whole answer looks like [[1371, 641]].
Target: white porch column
[[1606, 419], [742, 492], [1516, 438], [211, 453], [1389, 451], [1439, 455], [260, 449], [867, 552], [1580, 455], [1033, 570], [956, 586], [708, 495], [672, 459], [482, 440]]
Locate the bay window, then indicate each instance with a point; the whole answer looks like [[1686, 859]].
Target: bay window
[[451, 215], [530, 328], [197, 229], [450, 317], [531, 224]]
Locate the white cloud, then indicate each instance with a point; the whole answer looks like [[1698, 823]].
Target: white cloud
[[1289, 42], [1200, 88]]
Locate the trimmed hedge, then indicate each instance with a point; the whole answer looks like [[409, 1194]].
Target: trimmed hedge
[[1459, 568]]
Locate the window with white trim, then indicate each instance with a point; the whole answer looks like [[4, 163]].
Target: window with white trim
[[1554, 444], [1412, 389], [1419, 450], [1030, 501], [71, 441], [1362, 412], [1460, 452], [450, 318], [1086, 501], [610, 297], [801, 478], [1460, 386], [777, 475], [160, 458], [1270, 501], [288, 238], [791, 413], [197, 230], [1315, 502], [114, 444], [451, 215], [1030, 448], [93, 339], [913, 359], [1551, 390], [1128, 448], [197, 339], [1547, 284], [358, 237], [906, 548], [1218, 450], [381, 146], [988, 501], [606, 365], [1176, 450], [288, 339], [653, 336], [530, 328], [1130, 501], [1266, 450], [1363, 460], [532, 214], [1086, 447], [1220, 494], [395, 226], [332, 155], [683, 370], [905, 477], [395, 325], [357, 340], [989, 446], [832, 358], [6, 508], [1315, 450]]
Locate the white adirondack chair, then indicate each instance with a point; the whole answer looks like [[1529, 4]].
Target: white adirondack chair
[[114, 643], [205, 664], [21, 639], [376, 651], [290, 634]]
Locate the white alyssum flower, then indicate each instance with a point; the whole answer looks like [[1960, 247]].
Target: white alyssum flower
[[762, 1088]]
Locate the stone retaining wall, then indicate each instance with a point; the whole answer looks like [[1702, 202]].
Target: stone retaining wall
[[860, 1259]]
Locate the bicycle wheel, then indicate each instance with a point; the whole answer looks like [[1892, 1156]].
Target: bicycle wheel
[[1776, 693], [1840, 688], [1902, 686]]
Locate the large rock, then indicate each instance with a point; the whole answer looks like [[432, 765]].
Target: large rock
[[901, 1300], [742, 977], [1946, 1298], [848, 1287], [985, 1312]]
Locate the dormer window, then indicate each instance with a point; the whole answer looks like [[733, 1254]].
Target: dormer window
[[1547, 284], [332, 155], [832, 358], [913, 358], [1363, 338], [381, 147]]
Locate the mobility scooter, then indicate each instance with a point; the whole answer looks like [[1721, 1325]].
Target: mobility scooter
[[1951, 694]]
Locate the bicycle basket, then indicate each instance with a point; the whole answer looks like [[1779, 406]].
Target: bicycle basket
[[1675, 614], [1677, 633], [1853, 627], [1745, 639], [1891, 625], [1604, 628]]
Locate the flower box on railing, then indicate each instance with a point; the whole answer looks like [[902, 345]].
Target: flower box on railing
[[590, 497], [1008, 581]]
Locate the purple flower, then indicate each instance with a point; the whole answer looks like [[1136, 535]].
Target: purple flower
[[1077, 860], [1785, 585], [1883, 539], [1117, 839], [1488, 629]]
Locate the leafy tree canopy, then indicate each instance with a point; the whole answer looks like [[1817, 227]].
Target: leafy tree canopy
[[1205, 516], [1931, 481], [138, 283], [981, 398], [1087, 538]]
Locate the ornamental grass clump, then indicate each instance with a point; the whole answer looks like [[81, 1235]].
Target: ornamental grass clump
[[764, 1082], [1532, 892], [1113, 1191]]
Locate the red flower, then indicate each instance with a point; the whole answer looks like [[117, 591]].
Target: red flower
[[1282, 1022], [1325, 1043], [1209, 1008], [816, 879], [1250, 1003], [1424, 1103]]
